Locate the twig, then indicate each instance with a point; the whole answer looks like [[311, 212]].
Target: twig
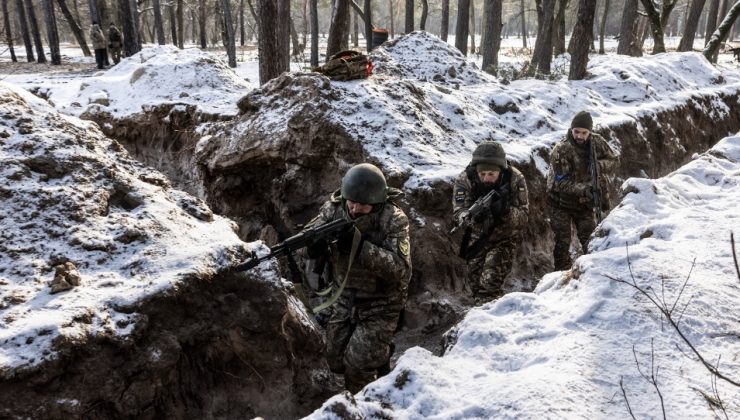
[[624, 394], [734, 254], [680, 292], [653, 378]]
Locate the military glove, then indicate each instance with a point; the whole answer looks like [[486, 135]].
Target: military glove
[[315, 249], [500, 207], [344, 241]]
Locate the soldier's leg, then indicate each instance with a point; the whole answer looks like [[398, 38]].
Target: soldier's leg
[[585, 225], [497, 265], [560, 224], [475, 270], [338, 333], [369, 347]]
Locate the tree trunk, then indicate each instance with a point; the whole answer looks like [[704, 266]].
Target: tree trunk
[[8, 33], [354, 23], [313, 12], [558, 29], [712, 49], [444, 26], [711, 24], [658, 22], [230, 38], [130, 31], [294, 39], [491, 42], [472, 27], [94, 13], [424, 12], [273, 40], [201, 25], [21, 10], [181, 24], [173, 23], [692, 21], [524, 23], [627, 35], [602, 30], [582, 37], [339, 27], [461, 28], [158, 25], [392, 17], [78, 33], [542, 56], [409, 22], [52, 34], [368, 21], [242, 32], [40, 56]]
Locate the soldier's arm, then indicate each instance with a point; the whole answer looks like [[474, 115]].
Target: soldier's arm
[[462, 197], [608, 160], [392, 259], [519, 213], [560, 179]]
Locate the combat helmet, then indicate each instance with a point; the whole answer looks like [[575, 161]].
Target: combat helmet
[[490, 152], [364, 183]]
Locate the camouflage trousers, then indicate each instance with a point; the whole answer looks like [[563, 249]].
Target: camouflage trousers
[[487, 272], [560, 222], [359, 338]]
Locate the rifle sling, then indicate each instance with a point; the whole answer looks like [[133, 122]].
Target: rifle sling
[[355, 245]]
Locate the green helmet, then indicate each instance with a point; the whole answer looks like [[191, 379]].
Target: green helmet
[[364, 183], [490, 152]]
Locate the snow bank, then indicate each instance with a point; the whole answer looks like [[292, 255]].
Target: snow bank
[[562, 351], [69, 194]]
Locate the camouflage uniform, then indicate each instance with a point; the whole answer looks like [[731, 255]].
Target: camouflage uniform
[[488, 270], [365, 316], [115, 42], [569, 192]]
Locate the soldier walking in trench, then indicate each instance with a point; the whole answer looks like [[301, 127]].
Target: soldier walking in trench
[[571, 194], [373, 261], [491, 236]]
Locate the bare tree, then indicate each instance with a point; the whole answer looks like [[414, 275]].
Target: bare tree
[[273, 40], [8, 33], [230, 37], [33, 22], [77, 31], [158, 25], [180, 24], [491, 42], [21, 10], [692, 22], [658, 21], [339, 27], [558, 29], [627, 30], [313, 10], [52, 33], [392, 17], [542, 56], [472, 27], [461, 28], [368, 21], [522, 15], [712, 48], [602, 30], [355, 32], [242, 32], [424, 12], [409, 22], [711, 23], [129, 16], [581, 39], [444, 25], [173, 25]]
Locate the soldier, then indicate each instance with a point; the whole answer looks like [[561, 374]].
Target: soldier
[[115, 42], [372, 261], [98, 40], [569, 187], [495, 233]]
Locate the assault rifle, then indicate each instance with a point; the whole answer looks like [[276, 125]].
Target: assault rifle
[[301, 240], [593, 169], [467, 217]]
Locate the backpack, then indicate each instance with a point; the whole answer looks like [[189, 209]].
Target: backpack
[[346, 65], [115, 36]]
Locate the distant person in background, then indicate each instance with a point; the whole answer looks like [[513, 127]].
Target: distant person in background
[[489, 242], [98, 40], [115, 42], [569, 187]]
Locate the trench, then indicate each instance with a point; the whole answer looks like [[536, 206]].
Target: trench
[[269, 204]]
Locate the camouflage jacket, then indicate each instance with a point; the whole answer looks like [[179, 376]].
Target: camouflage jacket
[[115, 40], [467, 190], [382, 269], [98, 39], [569, 179]]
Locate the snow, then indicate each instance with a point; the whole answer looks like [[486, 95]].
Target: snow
[[562, 351], [71, 194]]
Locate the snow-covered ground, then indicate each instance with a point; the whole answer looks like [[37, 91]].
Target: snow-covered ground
[[562, 351], [68, 193]]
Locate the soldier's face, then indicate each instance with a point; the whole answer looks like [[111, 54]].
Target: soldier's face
[[488, 177], [358, 209], [580, 134]]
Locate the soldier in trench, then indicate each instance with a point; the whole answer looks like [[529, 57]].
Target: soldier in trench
[[570, 193], [371, 265], [490, 239]]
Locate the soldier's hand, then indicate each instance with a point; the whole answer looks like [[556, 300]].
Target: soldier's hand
[[315, 249], [500, 207], [344, 241]]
